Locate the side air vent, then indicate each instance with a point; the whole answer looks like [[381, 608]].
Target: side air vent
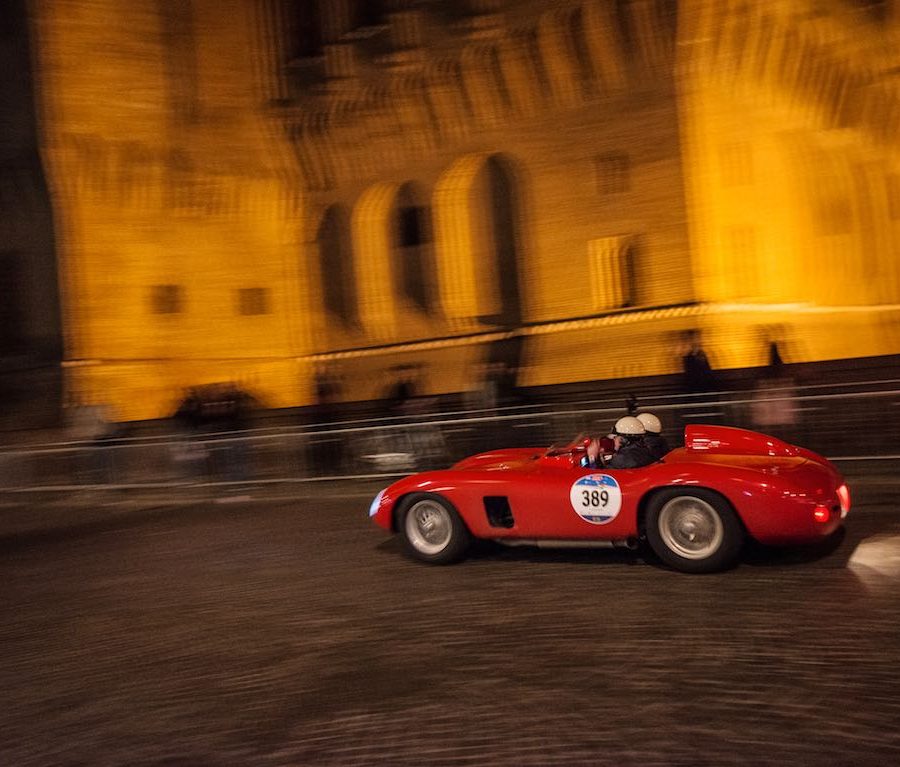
[[498, 512]]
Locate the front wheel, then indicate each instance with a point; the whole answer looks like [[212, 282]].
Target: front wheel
[[432, 529], [694, 530]]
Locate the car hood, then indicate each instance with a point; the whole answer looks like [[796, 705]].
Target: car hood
[[498, 460]]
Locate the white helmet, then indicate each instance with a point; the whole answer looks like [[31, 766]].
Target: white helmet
[[629, 426], [651, 423]]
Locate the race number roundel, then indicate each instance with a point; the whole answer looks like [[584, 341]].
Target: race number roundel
[[596, 498]]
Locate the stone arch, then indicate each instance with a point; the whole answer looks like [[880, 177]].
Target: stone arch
[[412, 251], [480, 249], [335, 257], [374, 273]]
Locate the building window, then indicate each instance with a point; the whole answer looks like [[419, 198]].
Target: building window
[[612, 272], [413, 242], [335, 251], [411, 230], [253, 301], [166, 299], [613, 173]]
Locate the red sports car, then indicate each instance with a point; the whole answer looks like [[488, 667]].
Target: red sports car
[[695, 507]]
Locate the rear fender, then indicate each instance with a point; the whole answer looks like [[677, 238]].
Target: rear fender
[[727, 440], [644, 503]]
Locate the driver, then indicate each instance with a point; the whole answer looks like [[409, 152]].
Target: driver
[[630, 451], [653, 438]]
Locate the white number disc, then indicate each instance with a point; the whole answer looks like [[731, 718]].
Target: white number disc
[[596, 498]]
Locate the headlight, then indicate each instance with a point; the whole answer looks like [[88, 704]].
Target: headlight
[[373, 508]]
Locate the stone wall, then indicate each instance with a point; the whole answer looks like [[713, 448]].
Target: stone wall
[[249, 191]]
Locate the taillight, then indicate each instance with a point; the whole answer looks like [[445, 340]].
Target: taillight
[[843, 494], [821, 514]]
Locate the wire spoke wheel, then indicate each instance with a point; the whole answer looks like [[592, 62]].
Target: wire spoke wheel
[[432, 529], [694, 530], [691, 527], [428, 527]]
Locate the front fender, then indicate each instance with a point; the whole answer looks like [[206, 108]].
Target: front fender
[[382, 508]]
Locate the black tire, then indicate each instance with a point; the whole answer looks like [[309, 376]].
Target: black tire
[[432, 530], [694, 530]]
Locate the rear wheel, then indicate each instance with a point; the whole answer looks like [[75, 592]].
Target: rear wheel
[[694, 530], [432, 529]]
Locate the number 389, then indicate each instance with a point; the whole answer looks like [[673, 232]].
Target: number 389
[[594, 498]]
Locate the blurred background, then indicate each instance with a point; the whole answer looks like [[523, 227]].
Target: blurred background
[[326, 210]]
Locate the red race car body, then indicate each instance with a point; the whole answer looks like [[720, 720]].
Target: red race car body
[[694, 508]]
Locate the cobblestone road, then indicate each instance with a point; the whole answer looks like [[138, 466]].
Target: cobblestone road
[[298, 634]]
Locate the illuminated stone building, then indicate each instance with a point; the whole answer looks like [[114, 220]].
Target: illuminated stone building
[[790, 113], [251, 190], [490, 181], [178, 213]]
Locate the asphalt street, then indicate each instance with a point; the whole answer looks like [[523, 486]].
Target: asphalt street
[[284, 631]]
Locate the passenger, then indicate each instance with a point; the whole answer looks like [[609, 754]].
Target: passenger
[[630, 451], [654, 441]]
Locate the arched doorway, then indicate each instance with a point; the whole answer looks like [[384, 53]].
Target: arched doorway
[[335, 253], [412, 247], [478, 211]]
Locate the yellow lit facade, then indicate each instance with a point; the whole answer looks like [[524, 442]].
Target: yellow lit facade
[[246, 190], [789, 113], [178, 215]]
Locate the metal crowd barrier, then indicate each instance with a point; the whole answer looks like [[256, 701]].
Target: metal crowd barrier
[[855, 425]]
